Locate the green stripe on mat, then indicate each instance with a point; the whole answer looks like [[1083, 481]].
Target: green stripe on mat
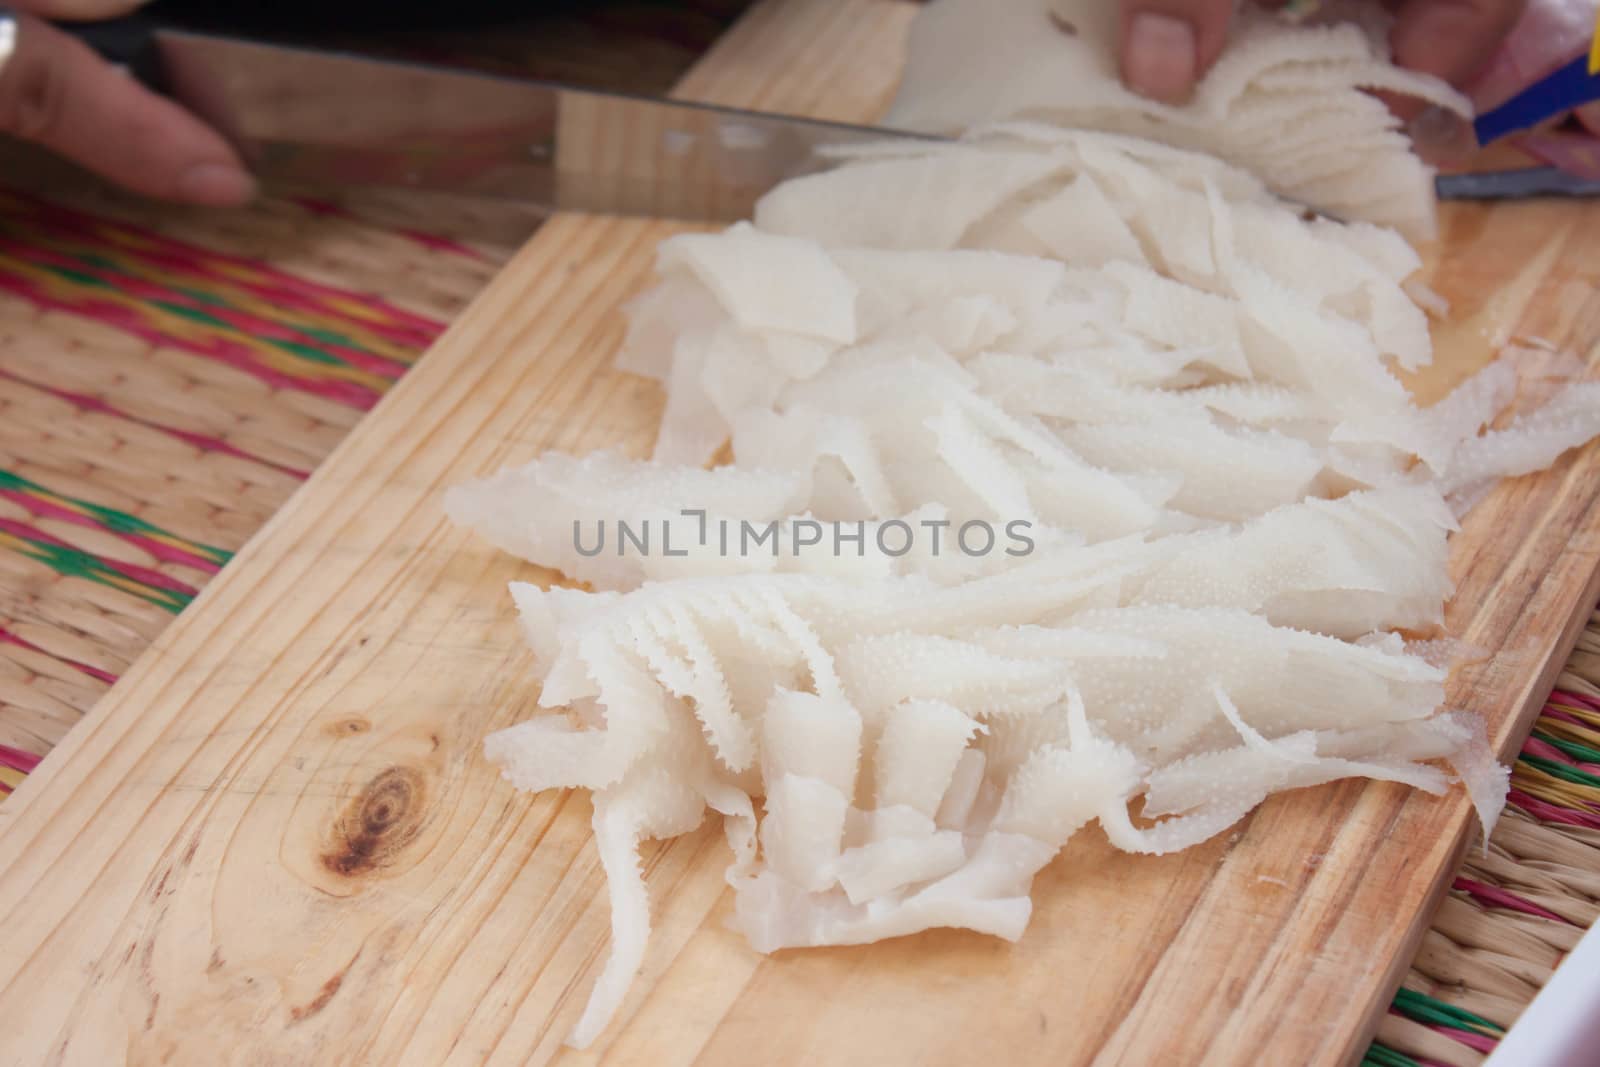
[[1579, 752], [75, 563], [112, 519], [1425, 1009], [1561, 770], [1384, 1056]]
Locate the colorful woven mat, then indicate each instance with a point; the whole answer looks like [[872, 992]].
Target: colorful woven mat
[[161, 395], [1512, 914], [168, 377]]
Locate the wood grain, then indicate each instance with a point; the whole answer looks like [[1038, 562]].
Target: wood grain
[[277, 841]]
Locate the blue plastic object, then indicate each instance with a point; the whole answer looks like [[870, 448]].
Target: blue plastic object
[[1557, 94]]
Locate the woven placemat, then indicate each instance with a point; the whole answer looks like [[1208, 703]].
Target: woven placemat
[[168, 377], [166, 380], [1513, 913]]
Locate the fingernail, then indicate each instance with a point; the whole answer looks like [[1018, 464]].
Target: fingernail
[[1161, 60], [216, 185]]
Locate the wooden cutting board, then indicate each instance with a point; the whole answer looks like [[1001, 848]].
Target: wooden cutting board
[[277, 840]]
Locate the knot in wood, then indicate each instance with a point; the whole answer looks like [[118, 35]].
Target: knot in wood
[[380, 821]]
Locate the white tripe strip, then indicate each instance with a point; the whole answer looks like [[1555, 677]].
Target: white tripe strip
[[1347, 567], [1072, 477], [1532, 442]]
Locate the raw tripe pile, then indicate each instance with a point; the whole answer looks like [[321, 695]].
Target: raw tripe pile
[[1147, 413], [1280, 102]]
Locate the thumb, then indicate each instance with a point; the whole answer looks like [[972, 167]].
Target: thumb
[[1168, 45]]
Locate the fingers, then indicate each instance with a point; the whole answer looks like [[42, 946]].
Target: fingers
[[78, 10], [1168, 45], [58, 93], [1452, 39]]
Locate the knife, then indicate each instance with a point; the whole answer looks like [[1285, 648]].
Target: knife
[[333, 120]]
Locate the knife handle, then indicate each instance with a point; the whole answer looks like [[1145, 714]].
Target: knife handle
[[128, 42]]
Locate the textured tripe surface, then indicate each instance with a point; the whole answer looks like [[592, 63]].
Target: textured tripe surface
[[1282, 100], [1164, 402]]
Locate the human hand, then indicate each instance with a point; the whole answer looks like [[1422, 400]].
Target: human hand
[[1168, 45], [1551, 35], [56, 92]]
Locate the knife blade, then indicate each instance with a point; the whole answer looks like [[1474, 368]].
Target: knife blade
[[305, 117], [332, 120]]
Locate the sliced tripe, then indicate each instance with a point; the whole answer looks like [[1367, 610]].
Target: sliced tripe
[[816, 299], [1182, 389], [563, 511], [972, 62], [1531, 442], [654, 803], [1366, 562], [919, 746], [887, 203]]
